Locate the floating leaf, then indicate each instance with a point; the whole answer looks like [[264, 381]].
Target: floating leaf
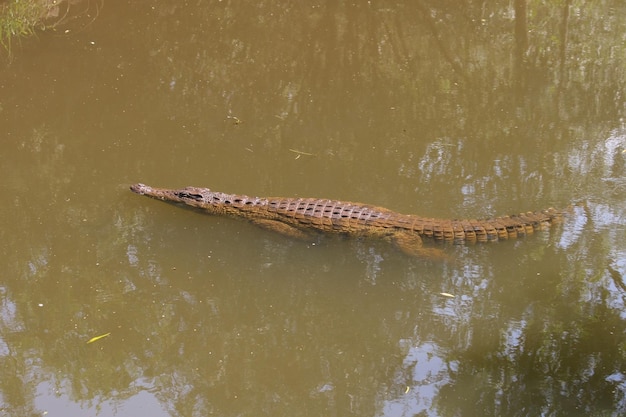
[[93, 339], [446, 294]]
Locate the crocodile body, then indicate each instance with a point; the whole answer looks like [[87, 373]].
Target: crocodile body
[[300, 217]]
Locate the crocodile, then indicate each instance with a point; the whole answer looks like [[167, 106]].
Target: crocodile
[[302, 217]]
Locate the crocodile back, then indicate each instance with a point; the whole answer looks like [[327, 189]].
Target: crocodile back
[[356, 218]]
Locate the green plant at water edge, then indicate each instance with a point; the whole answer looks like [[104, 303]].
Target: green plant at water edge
[[19, 19]]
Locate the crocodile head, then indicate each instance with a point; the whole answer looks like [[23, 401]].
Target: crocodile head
[[190, 196], [202, 198]]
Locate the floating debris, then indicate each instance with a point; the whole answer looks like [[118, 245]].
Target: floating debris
[[93, 339], [300, 153]]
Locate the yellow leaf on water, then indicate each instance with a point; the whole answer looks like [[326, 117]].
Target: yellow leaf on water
[[93, 339], [446, 294]]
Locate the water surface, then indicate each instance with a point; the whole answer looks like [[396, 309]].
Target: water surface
[[433, 109]]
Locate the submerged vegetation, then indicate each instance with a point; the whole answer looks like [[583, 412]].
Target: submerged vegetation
[[22, 18]]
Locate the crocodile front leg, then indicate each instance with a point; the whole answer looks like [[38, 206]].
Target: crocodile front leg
[[282, 228]]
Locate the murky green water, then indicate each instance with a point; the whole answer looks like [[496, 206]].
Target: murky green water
[[442, 110]]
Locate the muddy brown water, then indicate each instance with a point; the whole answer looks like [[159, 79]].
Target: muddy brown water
[[432, 109]]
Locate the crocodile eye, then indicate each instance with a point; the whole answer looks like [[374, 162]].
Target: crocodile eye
[[191, 196]]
